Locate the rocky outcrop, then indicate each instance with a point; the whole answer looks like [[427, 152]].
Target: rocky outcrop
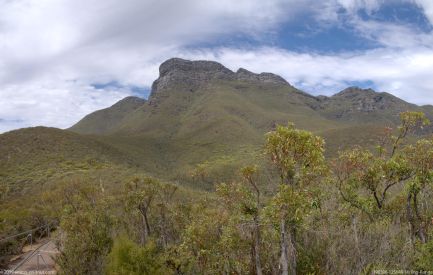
[[184, 74], [206, 69], [191, 74], [353, 101], [367, 100]]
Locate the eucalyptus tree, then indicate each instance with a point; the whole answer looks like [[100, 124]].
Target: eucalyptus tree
[[140, 194], [365, 178], [242, 200], [298, 157], [420, 159], [85, 229], [248, 174]]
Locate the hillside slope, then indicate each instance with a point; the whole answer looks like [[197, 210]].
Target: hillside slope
[[102, 121], [202, 112], [31, 157]]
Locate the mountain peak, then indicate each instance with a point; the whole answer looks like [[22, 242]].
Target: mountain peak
[[182, 65], [241, 72], [354, 100], [355, 92], [176, 72]]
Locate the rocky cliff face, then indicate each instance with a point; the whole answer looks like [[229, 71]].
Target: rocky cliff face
[[177, 72], [189, 73], [354, 99]]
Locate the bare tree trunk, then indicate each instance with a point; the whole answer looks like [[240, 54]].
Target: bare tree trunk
[[417, 225], [292, 251], [421, 224], [163, 228], [410, 217], [257, 247], [147, 227], [355, 233], [284, 260], [288, 250], [288, 257], [145, 232], [256, 230]]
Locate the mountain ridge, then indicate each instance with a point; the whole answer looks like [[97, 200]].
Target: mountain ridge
[[201, 113], [180, 75]]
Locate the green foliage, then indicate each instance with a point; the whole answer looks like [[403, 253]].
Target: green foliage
[[32, 158], [299, 157], [364, 179], [297, 154], [148, 201], [201, 250], [424, 256], [86, 230], [98, 195], [289, 204], [128, 258]]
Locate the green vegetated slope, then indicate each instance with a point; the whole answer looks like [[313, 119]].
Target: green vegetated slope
[[221, 120], [39, 155], [102, 121], [201, 112]]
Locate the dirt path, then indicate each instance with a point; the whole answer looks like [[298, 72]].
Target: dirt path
[[37, 260]]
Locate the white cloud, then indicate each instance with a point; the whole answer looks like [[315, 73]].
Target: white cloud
[[427, 6], [404, 73], [51, 51], [354, 5], [51, 104]]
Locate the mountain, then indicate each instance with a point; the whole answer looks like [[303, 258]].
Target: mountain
[[199, 116], [191, 88], [202, 112], [197, 87]]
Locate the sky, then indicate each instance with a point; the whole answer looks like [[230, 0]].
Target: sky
[[62, 59]]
